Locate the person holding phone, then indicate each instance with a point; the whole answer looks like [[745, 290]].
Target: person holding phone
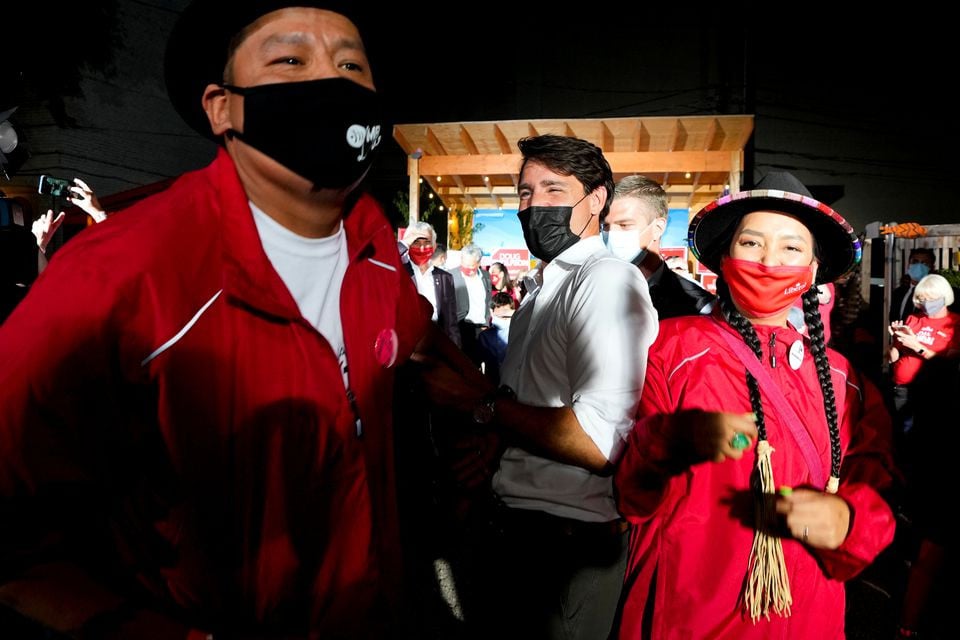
[[82, 196]]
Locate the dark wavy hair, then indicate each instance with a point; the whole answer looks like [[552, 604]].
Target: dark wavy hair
[[571, 157]]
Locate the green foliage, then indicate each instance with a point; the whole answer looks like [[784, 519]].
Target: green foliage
[[952, 276], [461, 227], [429, 210]]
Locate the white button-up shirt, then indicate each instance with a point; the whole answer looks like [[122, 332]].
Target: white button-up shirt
[[425, 286], [579, 341]]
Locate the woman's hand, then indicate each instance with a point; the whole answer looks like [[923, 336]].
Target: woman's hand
[[717, 436], [817, 519]]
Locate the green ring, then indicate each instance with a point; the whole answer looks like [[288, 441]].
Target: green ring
[[740, 442]]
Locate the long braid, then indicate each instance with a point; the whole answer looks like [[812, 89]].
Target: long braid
[[811, 315], [745, 329], [767, 584]]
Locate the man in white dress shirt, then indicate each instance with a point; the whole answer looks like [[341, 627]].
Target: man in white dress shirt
[[553, 564], [473, 300]]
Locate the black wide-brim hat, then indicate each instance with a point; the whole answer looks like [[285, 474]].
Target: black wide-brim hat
[[711, 230], [198, 46]]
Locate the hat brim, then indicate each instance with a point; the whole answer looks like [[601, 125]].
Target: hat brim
[[198, 45], [711, 230]]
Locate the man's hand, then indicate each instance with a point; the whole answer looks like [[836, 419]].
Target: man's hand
[[448, 388], [45, 226]]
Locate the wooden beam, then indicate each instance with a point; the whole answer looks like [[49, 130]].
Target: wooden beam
[[501, 139], [476, 191], [620, 161], [434, 147], [467, 141], [736, 164], [607, 139]]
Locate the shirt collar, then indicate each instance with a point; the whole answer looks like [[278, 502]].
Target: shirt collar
[[576, 255]]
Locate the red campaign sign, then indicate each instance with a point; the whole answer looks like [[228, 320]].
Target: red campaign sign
[[709, 282], [666, 252], [513, 259]]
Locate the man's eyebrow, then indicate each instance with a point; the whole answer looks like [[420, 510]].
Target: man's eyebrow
[[283, 38], [299, 38], [543, 183]]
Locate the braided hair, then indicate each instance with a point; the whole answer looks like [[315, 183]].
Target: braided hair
[[745, 329], [811, 314]]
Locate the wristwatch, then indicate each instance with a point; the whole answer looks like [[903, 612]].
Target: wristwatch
[[486, 410]]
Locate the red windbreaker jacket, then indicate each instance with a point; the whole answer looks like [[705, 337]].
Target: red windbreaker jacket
[[687, 537], [169, 420]]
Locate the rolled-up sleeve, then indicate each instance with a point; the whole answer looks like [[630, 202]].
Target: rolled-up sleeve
[[611, 327]]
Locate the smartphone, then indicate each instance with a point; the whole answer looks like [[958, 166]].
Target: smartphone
[[54, 187]]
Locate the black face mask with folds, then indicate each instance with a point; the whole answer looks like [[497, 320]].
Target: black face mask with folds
[[324, 130], [546, 230]]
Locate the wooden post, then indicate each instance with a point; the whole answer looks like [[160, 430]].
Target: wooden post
[[413, 170]]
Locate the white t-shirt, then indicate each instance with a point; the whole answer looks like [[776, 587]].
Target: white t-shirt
[[425, 287], [313, 270], [579, 341]]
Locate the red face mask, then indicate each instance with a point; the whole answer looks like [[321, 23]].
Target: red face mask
[[468, 272], [762, 291], [420, 255], [495, 280]]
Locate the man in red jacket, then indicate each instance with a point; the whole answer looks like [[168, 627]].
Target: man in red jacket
[[193, 437]]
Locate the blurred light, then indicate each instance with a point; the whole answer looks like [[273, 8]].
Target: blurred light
[[486, 178], [430, 195], [687, 175], [439, 178], [421, 180]]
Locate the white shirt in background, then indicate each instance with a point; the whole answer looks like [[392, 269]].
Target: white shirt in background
[[477, 312], [425, 286]]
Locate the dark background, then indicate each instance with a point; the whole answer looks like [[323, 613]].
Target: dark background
[[858, 104]]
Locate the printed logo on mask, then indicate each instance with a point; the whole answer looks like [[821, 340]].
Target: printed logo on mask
[[799, 287], [365, 138]]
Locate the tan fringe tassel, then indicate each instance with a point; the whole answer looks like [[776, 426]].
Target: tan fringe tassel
[[768, 584], [833, 484]]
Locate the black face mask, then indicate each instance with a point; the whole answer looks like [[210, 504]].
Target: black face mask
[[324, 130], [546, 230]]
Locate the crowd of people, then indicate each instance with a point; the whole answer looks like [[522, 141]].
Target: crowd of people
[[290, 424]]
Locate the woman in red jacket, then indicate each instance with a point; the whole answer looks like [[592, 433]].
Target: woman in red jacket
[[752, 477]]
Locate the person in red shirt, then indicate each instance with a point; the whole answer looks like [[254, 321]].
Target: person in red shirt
[[930, 332], [193, 434], [753, 476]]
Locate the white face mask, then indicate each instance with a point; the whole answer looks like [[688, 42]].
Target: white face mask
[[625, 243], [503, 324]]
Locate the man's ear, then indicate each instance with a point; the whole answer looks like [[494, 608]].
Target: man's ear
[[217, 107], [659, 225], [598, 198]]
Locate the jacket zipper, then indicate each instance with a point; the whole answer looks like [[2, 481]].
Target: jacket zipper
[[773, 350]]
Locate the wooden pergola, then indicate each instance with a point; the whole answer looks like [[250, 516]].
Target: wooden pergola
[[477, 164]]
